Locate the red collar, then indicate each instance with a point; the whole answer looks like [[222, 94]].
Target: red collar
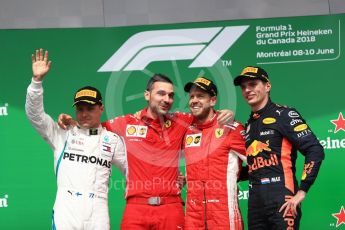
[[206, 124]]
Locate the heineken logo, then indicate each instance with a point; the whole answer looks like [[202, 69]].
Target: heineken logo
[[339, 123], [333, 141], [3, 201], [243, 194], [3, 110]]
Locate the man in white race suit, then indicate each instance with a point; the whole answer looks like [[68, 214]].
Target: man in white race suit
[[83, 154]]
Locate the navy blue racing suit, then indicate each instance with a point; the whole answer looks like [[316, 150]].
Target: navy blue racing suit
[[273, 136]]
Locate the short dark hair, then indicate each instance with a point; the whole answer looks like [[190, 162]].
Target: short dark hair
[[157, 77]]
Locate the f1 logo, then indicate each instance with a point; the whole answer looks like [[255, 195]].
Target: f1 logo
[[204, 45]]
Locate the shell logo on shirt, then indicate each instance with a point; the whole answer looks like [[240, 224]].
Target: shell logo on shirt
[[193, 140], [189, 140], [136, 131], [130, 130]]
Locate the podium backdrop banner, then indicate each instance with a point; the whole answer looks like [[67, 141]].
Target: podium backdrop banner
[[302, 55]]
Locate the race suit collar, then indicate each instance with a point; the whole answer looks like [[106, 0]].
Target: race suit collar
[[206, 124], [89, 132], [257, 114]]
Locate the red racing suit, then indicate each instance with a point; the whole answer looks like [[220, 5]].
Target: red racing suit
[[153, 153], [214, 157]]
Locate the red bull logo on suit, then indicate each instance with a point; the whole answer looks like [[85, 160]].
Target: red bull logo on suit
[[257, 147], [254, 149]]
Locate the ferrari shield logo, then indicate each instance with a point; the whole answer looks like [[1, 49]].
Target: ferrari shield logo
[[219, 132]]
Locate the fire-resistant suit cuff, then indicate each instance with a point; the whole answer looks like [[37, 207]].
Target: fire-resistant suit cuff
[[305, 186], [36, 85]]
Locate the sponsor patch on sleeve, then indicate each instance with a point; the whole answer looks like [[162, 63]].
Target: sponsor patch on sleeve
[[307, 169], [293, 114], [300, 127]]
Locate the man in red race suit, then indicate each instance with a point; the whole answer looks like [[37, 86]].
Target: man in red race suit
[[153, 143], [153, 140], [214, 155]]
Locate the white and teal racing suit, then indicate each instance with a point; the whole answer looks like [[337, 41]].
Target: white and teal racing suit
[[83, 159]]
